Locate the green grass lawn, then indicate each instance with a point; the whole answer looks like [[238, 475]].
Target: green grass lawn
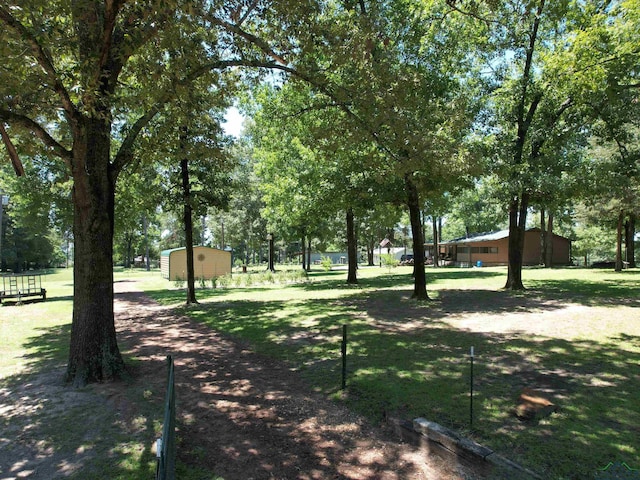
[[37, 332], [574, 334]]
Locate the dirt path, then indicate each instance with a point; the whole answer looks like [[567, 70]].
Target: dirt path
[[248, 417]]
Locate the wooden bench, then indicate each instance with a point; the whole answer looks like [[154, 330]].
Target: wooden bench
[[20, 286]]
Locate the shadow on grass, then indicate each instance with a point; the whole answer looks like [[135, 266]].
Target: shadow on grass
[[331, 273], [231, 392], [598, 293], [403, 359], [472, 273], [174, 297], [73, 433], [49, 348], [426, 373]]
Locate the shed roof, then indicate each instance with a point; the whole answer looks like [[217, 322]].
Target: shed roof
[[166, 253], [488, 237], [482, 237]]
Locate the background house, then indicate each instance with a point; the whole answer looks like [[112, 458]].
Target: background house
[[493, 249], [337, 258], [207, 263]]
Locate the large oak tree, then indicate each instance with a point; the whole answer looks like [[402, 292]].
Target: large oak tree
[[73, 75]]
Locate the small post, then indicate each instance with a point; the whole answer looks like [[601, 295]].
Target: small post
[[344, 357], [471, 391]]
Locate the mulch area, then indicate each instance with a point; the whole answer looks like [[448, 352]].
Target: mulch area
[[245, 416]]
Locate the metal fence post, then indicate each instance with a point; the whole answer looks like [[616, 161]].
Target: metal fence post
[[344, 357], [166, 469]]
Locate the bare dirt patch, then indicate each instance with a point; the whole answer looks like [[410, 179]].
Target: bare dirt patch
[[240, 415]]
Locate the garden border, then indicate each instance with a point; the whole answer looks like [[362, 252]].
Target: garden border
[[435, 438]]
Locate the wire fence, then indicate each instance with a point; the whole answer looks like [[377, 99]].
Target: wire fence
[[166, 445]]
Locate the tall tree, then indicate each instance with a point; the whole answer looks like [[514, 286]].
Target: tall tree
[[529, 101], [309, 174], [604, 63], [196, 167], [34, 217], [84, 67], [136, 204], [395, 70]]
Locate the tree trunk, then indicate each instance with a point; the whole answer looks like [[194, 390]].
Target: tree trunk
[[147, 258], [629, 234], [188, 226], [548, 240], [93, 351], [631, 247], [271, 267], [304, 253], [352, 249], [128, 255], [309, 254], [619, 242], [370, 251], [543, 239], [413, 202], [517, 225], [436, 246]]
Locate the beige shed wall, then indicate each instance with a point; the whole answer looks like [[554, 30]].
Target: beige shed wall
[[207, 263]]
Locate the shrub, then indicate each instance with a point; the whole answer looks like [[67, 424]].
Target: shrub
[[326, 263], [298, 275], [389, 261], [224, 281]]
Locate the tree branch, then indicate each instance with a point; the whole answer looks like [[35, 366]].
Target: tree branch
[[527, 73], [13, 154], [111, 8], [257, 41], [125, 153], [538, 144], [315, 108], [43, 59], [487, 21], [250, 8], [28, 124], [123, 47]]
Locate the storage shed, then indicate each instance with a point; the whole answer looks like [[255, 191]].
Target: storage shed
[[207, 263]]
